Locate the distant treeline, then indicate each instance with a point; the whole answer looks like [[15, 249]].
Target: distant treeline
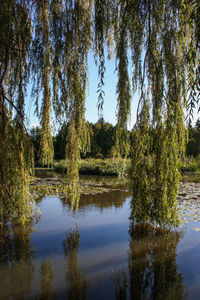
[[102, 140], [193, 146]]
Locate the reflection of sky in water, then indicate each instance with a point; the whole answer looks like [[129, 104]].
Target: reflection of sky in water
[[56, 217], [104, 245], [97, 228], [188, 259]]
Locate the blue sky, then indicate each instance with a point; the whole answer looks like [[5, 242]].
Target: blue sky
[[110, 98]]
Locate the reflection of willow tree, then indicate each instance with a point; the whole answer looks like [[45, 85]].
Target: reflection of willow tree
[[152, 267], [152, 263], [47, 276], [16, 251], [77, 284]]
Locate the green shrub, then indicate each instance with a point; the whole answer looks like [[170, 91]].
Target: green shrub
[[191, 164]]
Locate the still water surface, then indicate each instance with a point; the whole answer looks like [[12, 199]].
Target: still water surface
[[111, 261]]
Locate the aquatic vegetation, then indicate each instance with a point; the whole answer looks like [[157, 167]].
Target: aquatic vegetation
[[43, 187], [189, 202]]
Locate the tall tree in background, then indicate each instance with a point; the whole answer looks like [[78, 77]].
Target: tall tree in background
[[193, 146], [53, 38]]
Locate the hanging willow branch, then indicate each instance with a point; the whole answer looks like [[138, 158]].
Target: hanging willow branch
[[16, 203], [123, 89], [42, 70], [100, 23]]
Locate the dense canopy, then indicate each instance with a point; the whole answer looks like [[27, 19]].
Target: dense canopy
[[46, 43]]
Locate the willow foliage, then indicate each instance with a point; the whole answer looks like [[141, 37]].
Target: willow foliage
[[123, 86], [161, 138], [52, 38], [42, 68], [16, 204], [71, 41]]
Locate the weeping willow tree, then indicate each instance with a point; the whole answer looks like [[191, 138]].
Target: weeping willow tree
[[158, 39], [159, 133], [15, 201]]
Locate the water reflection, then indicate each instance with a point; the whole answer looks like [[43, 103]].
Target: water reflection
[[152, 268], [77, 284], [17, 265], [152, 263], [22, 277], [101, 201], [46, 279], [121, 284]]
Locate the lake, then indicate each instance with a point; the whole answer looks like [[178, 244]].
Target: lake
[[96, 253]]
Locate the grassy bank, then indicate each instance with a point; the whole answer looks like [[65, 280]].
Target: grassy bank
[[103, 167], [191, 164], [111, 167]]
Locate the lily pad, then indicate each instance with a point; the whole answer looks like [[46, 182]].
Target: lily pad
[[196, 229]]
